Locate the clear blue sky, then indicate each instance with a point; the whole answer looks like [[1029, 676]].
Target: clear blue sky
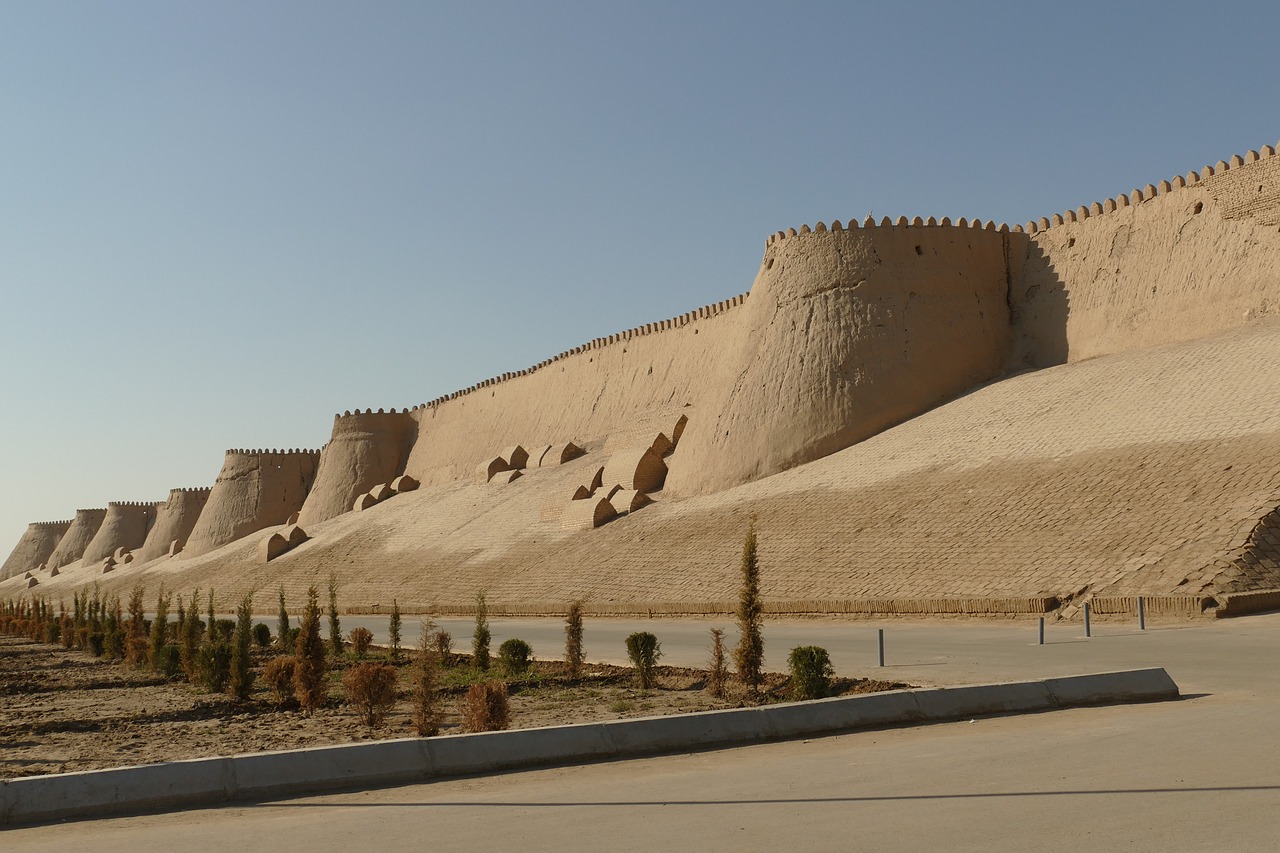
[[220, 223]]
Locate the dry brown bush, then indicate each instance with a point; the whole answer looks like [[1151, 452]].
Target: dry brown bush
[[371, 687], [485, 708], [278, 675], [361, 639]]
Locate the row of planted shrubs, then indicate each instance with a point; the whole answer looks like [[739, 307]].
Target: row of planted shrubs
[[217, 654]]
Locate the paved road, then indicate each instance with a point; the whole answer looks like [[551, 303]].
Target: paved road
[[1197, 774]]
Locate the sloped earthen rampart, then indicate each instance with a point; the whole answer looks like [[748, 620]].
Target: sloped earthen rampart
[[34, 548], [367, 448], [72, 545], [175, 520], [255, 489]]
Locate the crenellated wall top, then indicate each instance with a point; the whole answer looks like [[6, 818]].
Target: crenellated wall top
[[272, 452], [1150, 191], [190, 490], [870, 222], [685, 319], [66, 523], [148, 504]]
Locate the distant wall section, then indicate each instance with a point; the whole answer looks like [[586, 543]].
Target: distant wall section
[[34, 548], [255, 489], [125, 526], [72, 545], [175, 520]]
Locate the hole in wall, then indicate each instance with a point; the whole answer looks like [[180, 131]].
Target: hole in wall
[[1199, 207], [919, 251], [768, 264], [1071, 242]]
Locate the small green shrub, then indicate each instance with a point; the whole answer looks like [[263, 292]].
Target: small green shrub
[[644, 650], [97, 643], [481, 636], [371, 687], [226, 629], [717, 672], [573, 655], [361, 639], [262, 635], [485, 708], [426, 690], [309, 685], [169, 660], [810, 672], [214, 666], [515, 656]]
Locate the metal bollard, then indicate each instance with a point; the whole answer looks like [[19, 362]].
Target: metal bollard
[[1087, 630], [1142, 614], [1042, 630], [880, 644]]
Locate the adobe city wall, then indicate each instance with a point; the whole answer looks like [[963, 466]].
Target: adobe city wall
[[175, 520], [1170, 262], [864, 328], [125, 527], [847, 331], [255, 489], [72, 545], [34, 548], [366, 448]]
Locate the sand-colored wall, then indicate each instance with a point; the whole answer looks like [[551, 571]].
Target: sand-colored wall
[[847, 333], [175, 519], [1174, 261], [77, 538], [255, 489], [125, 526], [366, 449], [583, 396], [34, 548]]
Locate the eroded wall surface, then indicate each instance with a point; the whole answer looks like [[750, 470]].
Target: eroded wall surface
[[366, 449], [175, 520], [125, 526], [1187, 258], [848, 332], [34, 548], [255, 489], [72, 545]]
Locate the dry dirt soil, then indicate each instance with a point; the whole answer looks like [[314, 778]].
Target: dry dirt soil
[[64, 710]]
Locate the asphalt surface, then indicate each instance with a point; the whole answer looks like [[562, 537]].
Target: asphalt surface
[[1195, 774]]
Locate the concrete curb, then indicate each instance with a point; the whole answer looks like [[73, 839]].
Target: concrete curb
[[208, 781]]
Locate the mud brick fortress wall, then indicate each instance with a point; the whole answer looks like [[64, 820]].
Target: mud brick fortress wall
[[865, 397]]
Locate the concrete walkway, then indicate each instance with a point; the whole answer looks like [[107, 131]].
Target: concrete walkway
[[1198, 774]]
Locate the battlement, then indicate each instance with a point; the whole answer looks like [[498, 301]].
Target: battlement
[[48, 524], [148, 504], [869, 222], [271, 452], [357, 413], [191, 490], [1149, 192], [102, 510], [684, 319], [676, 322]]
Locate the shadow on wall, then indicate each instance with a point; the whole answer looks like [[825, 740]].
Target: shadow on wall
[[1038, 310]]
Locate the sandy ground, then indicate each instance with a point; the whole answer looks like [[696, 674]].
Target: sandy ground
[[63, 711]]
